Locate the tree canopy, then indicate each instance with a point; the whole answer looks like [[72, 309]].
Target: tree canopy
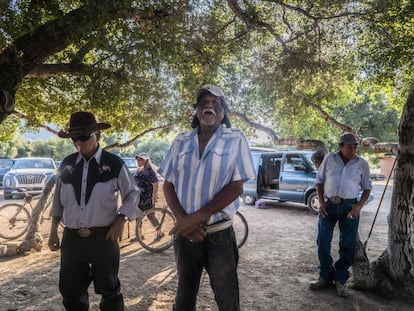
[[137, 64]]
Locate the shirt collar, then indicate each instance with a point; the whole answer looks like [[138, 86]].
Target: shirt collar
[[338, 154], [97, 156]]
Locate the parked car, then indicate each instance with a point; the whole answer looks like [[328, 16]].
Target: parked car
[[284, 176], [5, 165], [378, 176], [28, 174], [131, 163]]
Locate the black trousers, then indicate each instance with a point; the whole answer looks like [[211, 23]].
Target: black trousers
[[219, 255], [84, 260]]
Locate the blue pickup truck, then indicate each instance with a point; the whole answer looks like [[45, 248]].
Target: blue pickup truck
[[284, 176]]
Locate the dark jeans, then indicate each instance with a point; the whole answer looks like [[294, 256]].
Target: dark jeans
[[219, 255], [84, 260], [348, 229]]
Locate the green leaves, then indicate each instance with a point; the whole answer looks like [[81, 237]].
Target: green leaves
[[138, 64]]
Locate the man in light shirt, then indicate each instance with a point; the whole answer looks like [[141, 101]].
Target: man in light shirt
[[86, 202], [204, 173], [339, 179]]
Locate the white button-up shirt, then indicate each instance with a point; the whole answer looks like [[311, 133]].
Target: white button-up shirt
[[86, 193], [342, 180]]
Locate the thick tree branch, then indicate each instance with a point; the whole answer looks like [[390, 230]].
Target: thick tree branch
[[307, 13], [253, 23], [272, 134], [330, 120], [132, 140], [21, 115], [81, 54], [301, 144]]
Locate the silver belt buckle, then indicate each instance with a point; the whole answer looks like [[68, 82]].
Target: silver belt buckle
[[84, 232], [335, 200]]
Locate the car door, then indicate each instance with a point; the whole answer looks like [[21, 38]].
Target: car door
[[252, 187], [295, 178]]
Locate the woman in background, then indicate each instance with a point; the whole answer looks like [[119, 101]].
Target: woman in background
[[147, 181]]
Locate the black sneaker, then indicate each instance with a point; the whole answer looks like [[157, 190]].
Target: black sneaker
[[320, 283]]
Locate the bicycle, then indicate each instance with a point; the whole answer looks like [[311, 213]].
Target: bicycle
[[153, 227], [14, 217]]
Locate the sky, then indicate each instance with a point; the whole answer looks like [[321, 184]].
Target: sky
[[41, 135]]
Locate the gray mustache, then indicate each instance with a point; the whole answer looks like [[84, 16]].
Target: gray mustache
[[208, 110]]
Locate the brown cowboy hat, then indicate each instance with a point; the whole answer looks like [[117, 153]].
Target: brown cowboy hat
[[82, 123]]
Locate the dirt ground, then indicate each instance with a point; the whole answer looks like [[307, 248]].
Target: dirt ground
[[276, 265]]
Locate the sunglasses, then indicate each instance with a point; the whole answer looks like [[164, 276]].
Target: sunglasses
[[82, 138]]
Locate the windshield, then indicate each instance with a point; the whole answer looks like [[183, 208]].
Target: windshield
[[309, 158], [130, 162], [33, 163]]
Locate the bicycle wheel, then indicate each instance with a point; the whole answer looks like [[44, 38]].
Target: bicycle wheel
[[14, 219], [153, 228], [241, 229]]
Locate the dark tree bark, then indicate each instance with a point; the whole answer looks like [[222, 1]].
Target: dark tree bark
[[33, 239], [392, 274]]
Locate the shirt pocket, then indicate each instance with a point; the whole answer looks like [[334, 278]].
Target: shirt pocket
[[184, 161], [222, 158], [355, 175]]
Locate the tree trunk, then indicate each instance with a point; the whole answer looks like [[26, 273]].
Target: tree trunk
[[393, 272], [33, 239]]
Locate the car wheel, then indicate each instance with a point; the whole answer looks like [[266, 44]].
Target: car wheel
[[313, 203], [8, 196], [249, 200]]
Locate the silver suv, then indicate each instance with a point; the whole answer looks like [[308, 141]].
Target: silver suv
[[28, 174], [5, 165]]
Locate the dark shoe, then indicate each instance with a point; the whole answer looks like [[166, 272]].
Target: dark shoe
[[341, 290], [319, 284]]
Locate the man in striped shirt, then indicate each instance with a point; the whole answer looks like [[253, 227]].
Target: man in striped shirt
[[204, 173]]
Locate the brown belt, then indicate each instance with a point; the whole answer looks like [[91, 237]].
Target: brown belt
[[86, 232], [337, 200]]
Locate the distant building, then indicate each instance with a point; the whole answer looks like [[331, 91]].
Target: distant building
[[386, 163]]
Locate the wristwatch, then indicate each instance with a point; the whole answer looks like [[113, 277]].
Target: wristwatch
[[124, 217]]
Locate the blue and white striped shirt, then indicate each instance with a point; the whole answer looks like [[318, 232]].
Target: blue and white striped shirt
[[196, 179]]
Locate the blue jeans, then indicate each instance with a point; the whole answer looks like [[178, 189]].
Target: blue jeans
[[348, 229], [219, 255]]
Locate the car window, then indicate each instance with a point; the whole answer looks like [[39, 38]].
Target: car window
[[5, 163], [255, 158], [309, 161], [292, 161]]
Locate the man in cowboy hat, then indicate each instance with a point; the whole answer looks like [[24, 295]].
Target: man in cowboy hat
[[86, 202], [204, 173]]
